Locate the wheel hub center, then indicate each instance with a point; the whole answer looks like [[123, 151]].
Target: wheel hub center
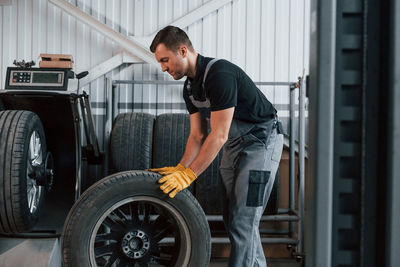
[[135, 244]]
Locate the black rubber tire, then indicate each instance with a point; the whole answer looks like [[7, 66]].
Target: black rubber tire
[[171, 132], [99, 203], [131, 142], [273, 202], [209, 188], [16, 129]]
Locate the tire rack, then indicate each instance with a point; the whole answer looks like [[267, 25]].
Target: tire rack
[[289, 215]]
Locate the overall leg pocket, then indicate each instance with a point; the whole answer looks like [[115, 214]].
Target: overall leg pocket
[[257, 183]]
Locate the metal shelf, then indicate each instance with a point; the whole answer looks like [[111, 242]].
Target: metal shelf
[[284, 215]]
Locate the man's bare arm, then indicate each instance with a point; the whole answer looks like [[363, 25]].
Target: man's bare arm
[[198, 131], [220, 124]]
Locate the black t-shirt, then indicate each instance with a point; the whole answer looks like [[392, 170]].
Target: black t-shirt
[[226, 86]]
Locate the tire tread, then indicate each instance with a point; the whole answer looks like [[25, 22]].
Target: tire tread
[[131, 141]]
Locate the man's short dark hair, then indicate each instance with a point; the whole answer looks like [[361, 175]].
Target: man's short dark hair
[[172, 37]]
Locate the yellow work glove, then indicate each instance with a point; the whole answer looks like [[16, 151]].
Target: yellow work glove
[[177, 181], [168, 170]]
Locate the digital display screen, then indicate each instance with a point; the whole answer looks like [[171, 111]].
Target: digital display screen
[[39, 77]]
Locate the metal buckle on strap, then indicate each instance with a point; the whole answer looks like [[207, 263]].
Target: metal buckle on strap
[[279, 127]]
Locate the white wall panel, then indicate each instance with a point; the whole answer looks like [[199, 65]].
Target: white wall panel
[[267, 50], [267, 38], [253, 25], [282, 31], [239, 33]]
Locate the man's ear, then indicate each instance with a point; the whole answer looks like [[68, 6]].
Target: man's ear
[[183, 50]]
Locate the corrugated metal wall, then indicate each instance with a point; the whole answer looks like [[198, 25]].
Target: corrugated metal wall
[[269, 39]]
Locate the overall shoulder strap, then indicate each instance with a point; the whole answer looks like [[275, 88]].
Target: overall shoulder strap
[[209, 64]]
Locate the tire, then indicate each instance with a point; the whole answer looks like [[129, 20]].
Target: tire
[[131, 142], [171, 132], [273, 202], [22, 146], [101, 226], [209, 188]]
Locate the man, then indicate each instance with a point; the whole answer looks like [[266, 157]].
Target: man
[[242, 121]]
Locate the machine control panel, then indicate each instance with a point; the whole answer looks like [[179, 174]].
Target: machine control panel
[[37, 78], [21, 77]]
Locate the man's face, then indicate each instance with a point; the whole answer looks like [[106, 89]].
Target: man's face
[[175, 63]]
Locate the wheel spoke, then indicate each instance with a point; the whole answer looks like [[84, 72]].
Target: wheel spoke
[[38, 146], [29, 168], [168, 250], [134, 211], [122, 263], [161, 219], [104, 250], [112, 259], [163, 260], [161, 227], [35, 149], [162, 231], [147, 212], [32, 148], [106, 237], [36, 196], [113, 225], [101, 261], [32, 198], [164, 255], [120, 214]]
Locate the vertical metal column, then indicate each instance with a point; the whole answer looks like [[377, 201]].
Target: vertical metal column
[[302, 98], [319, 184], [114, 101], [392, 237], [108, 123], [78, 151], [348, 184], [292, 155]]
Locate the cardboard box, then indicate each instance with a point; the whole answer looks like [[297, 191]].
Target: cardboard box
[[56, 61]]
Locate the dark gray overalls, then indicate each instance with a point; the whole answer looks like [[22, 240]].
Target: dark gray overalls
[[249, 163]]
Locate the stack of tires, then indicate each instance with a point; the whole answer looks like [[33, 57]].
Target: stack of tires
[[141, 141]]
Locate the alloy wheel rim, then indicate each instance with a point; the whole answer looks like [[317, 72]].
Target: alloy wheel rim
[[35, 158], [140, 231]]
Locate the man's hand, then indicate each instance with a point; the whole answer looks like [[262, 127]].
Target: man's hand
[[177, 181], [168, 170]]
